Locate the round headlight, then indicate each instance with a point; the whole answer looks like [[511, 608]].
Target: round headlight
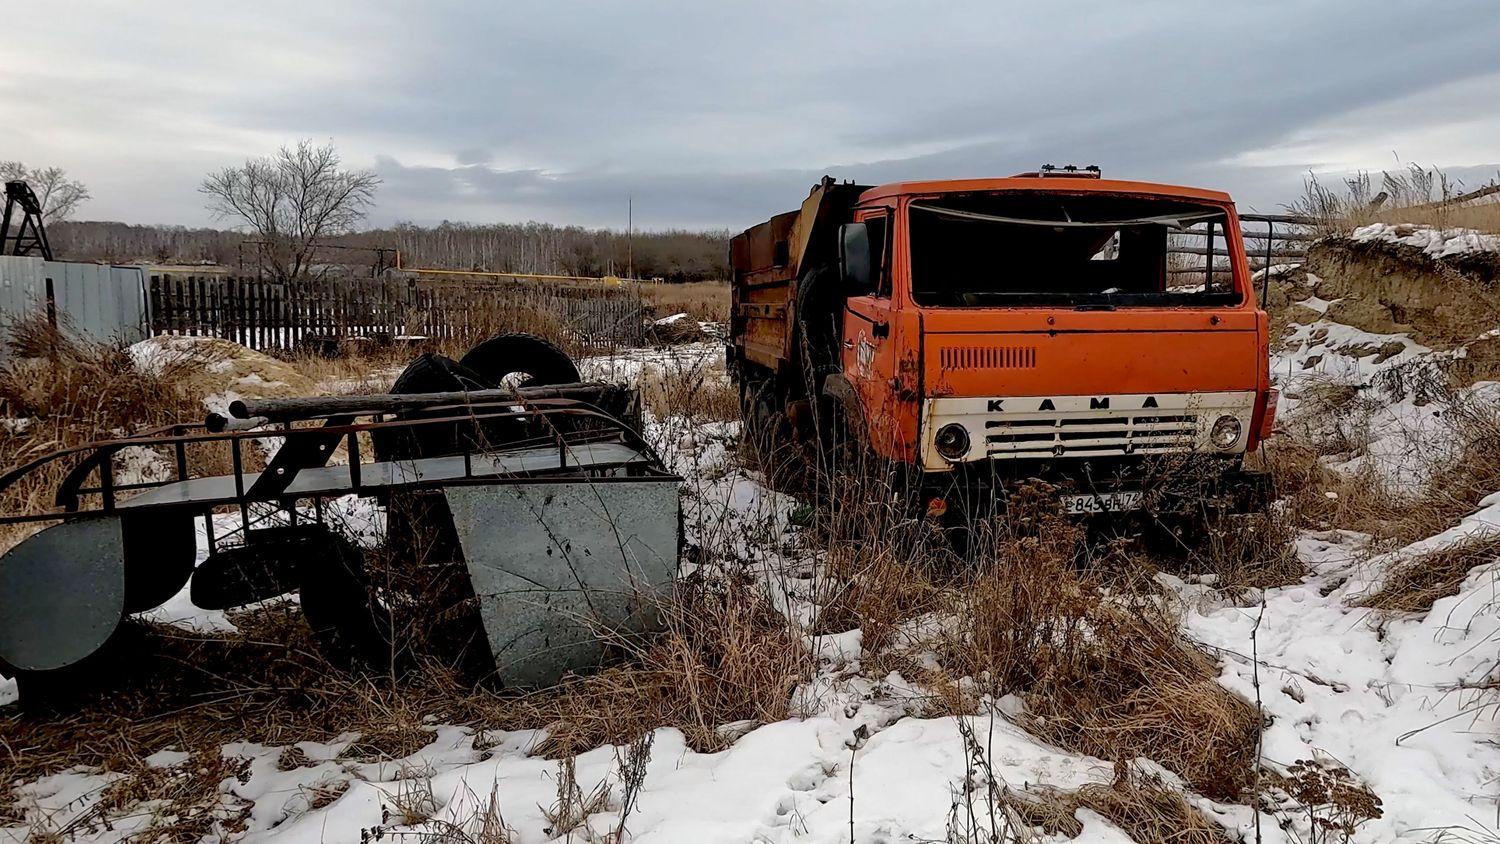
[[952, 441], [1225, 433]]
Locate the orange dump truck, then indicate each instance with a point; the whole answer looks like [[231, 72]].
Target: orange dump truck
[[977, 332]]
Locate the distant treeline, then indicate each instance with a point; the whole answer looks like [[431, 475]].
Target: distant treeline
[[525, 248]]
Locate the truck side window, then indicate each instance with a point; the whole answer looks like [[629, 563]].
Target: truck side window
[[879, 227]]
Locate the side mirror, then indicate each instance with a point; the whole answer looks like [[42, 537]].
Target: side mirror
[[855, 260]]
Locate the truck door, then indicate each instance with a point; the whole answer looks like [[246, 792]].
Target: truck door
[[870, 341]]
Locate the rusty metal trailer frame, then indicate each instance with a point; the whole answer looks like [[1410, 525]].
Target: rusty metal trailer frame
[[73, 581], [68, 501]]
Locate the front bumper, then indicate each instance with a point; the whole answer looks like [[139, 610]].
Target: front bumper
[[1074, 428], [1184, 483]]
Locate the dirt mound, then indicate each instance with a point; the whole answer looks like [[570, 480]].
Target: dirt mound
[[221, 370], [1389, 287]]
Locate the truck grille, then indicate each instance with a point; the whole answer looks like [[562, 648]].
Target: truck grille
[[1091, 434], [987, 357]]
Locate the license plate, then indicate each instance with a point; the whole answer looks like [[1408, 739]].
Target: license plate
[[1106, 502]]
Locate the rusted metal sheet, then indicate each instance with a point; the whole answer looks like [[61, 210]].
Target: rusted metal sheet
[[767, 260]]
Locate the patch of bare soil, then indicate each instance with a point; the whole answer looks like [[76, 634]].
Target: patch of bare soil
[[1389, 288]]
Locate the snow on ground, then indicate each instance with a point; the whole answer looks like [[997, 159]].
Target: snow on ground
[[628, 364], [1406, 432], [1392, 698], [1436, 242], [1396, 700]]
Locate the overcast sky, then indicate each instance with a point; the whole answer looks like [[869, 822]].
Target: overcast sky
[[714, 114]]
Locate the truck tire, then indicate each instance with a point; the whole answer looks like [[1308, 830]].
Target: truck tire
[[428, 373], [267, 566], [762, 423], [844, 438], [506, 355], [817, 315], [519, 359]]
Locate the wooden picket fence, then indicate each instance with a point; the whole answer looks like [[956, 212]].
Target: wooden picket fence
[[268, 315]]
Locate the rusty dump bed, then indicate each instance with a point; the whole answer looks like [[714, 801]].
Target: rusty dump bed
[[766, 261]]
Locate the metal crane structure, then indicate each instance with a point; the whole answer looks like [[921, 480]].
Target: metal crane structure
[[31, 233]]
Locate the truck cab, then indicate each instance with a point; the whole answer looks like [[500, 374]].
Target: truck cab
[[1039, 325]]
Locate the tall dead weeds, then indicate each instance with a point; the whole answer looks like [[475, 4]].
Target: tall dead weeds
[[1097, 659], [58, 391], [1415, 584]]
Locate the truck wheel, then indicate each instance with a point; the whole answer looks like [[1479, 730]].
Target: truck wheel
[[817, 313], [842, 449], [763, 423]]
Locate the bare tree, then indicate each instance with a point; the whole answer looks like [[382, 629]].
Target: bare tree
[[59, 195], [292, 200]]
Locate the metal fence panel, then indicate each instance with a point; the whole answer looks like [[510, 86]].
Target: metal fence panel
[[92, 301]]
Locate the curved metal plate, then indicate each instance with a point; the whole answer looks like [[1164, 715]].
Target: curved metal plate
[[554, 564], [62, 593], [160, 548]]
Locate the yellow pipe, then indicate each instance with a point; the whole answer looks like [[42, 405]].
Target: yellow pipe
[[537, 276]]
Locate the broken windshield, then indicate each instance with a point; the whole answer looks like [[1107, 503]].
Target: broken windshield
[[1079, 250]]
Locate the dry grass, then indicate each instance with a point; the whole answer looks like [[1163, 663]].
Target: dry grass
[[692, 393], [361, 370], [573, 807], [1109, 680], [1145, 808], [57, 392], [726, 655], [704, 301], [1414, 585], [1463, 476], [1411, 196], [1460, 459], [1090, 648], [184, 801]]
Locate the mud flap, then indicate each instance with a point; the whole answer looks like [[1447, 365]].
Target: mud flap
[[560, 567]]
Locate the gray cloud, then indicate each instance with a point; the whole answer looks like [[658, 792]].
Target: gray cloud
[[715, 115]]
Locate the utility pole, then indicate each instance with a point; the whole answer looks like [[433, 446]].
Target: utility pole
[[630, 236]]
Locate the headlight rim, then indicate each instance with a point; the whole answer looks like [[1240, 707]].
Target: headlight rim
[[1229, 424], [958, 453]]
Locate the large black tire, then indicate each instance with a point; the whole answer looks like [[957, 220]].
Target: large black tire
[[351, 627], [503, 356], [61, 689], [819, 309], [760, 425], [433, 373], [518, 359], [429, 373], [268, 565], [768, 433]]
